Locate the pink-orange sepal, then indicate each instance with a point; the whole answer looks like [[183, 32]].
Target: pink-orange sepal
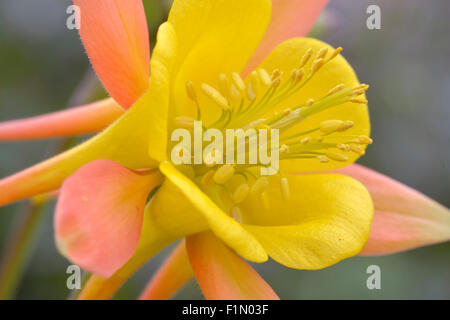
[[171, 276], [99, 215], [115, 36], [404, 218], [223, 275], [290, 19], [85, 119]]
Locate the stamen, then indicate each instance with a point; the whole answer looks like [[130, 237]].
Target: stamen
[[259, 186], [207, 178], [317, 64], [337, 156], [215, 96], [345, 126], [223, 174], [241, 193], [335, 53], [364, 140], [322, 53], [306, 57], [224, 86], [336, 89], [357, 150], [330, 126], [238, 82], [264, 77], [254, 80], [275, 74], [322, 159], [356, 100], [310, 102], [191, 91]]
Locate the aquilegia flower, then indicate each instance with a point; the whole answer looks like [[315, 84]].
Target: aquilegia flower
[[105, 220]]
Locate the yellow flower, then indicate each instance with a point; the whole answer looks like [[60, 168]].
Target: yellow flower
[[304, 88]]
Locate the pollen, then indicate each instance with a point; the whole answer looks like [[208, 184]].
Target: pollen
[[337, 156], [238, 82]]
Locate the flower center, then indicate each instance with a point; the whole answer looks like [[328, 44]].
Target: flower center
[[247, 105]]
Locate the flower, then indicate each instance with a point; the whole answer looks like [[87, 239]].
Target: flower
[[304, 88]]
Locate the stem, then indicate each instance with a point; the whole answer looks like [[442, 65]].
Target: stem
[[20, 246]]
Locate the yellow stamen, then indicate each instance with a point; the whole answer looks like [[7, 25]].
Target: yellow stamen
[[346, 125], [241, 193], [191, 91], [207, 178], [238, 82], [364, 140], [329, 126], [322, 159], [254, 80], [337, 156], [322, 53], [357, 150], [306, 57], [223, 174], [264, 77], [317, 64], [259, 186], [336, 89], [215, 96], [335, 53], [310, 102]]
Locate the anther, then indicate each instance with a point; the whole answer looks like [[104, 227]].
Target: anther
[[358, 90], [322, 53], [223, 174], [329, 126], [345, 126], [343, 147], [285, 191], [238, 82], [306, 57], [284, 149], [322, 159], [364, 140], [310, 102], [336, 89], [207, 178], [356, 100], [305, 140], [275, 74], [191, 91], [224, 86], [335, 53], [259, 186], [264, 77], [357, 150], [317, 64], [251, 95], [241, 193], [215, 96], [337, 156]]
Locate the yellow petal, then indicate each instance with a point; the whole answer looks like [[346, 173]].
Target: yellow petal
[[215, 36], [326, 219], [161, 65], [152, 240], [226, 228], [127, 141], [286, 57]]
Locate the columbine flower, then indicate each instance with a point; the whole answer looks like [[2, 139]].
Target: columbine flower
[[303, 87]]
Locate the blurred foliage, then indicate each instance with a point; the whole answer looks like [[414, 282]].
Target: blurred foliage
[[406, 63]]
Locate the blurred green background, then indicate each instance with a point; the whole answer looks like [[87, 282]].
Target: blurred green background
[[407, 63]]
